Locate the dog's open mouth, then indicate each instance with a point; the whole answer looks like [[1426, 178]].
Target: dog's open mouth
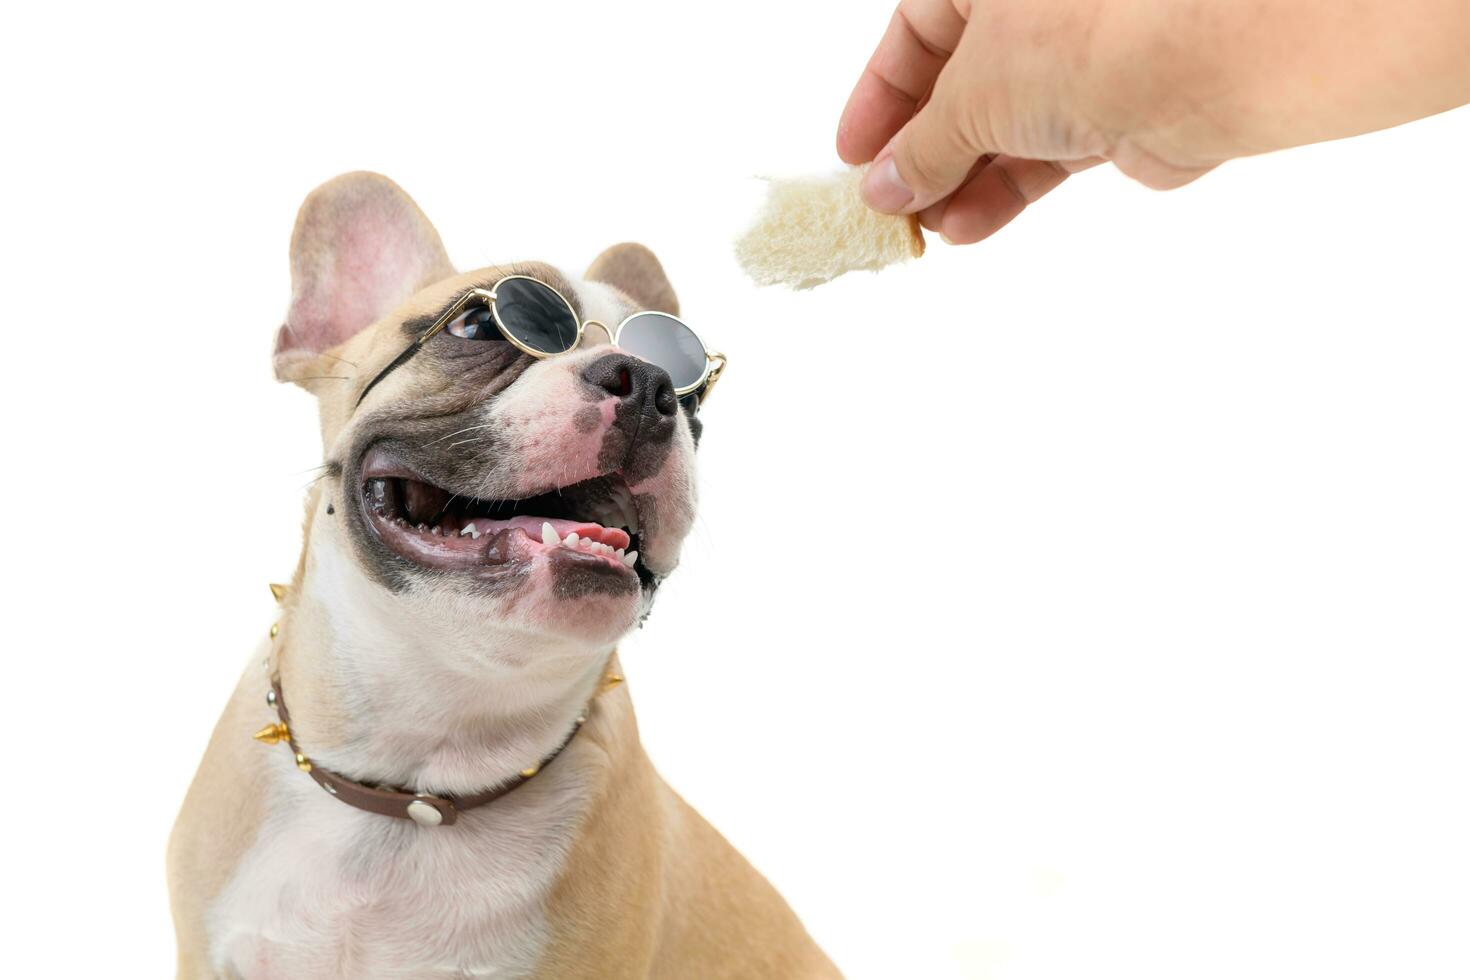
[[591, 525]]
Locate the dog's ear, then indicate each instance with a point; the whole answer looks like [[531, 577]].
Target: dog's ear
[[636, 271], [361, 247]]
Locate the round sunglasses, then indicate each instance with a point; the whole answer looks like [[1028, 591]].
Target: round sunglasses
[[539, 321]]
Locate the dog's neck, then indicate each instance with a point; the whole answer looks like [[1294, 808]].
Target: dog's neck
[[383, 690]]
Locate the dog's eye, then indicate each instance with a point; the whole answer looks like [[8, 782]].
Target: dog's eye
[[477, 323]]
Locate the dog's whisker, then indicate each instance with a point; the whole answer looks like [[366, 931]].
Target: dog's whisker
[[336, 358], [445, 509], [468, 428]]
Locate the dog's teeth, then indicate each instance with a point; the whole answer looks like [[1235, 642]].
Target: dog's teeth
[[618, 554], [437, 531], [630, 558], [571, 540], [549, 537], [468, 529]]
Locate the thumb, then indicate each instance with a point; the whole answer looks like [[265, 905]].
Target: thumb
[[931, 155]]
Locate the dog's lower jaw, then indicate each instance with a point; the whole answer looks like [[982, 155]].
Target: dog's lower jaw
[[409, 691]]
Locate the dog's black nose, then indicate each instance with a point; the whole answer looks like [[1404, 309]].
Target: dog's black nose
[[646, 417], [646, 389]]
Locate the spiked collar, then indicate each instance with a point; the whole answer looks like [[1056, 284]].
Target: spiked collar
[[424, 809]]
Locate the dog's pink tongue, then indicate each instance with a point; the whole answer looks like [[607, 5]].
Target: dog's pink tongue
[[614, 537]]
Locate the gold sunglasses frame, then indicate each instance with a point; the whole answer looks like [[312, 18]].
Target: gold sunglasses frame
[[714, 361]]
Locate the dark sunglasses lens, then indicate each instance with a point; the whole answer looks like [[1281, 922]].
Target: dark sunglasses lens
[[536, 316], [663, 341]]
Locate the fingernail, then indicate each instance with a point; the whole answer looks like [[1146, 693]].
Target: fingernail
[[884, 189]]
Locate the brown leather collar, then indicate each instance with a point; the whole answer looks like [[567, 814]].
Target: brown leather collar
[[422, 808]]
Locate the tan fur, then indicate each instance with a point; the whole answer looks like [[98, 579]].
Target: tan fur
[[220, 817], [652, 890], [635, 270], [648, 889], [223, 807]]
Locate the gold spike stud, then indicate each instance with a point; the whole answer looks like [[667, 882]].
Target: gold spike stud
[[273, 733], [303, 763], [611, 681], [278, 591], [530, 771], [275, 630]]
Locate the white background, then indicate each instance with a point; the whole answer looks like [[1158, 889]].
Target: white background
[[1088, 603]]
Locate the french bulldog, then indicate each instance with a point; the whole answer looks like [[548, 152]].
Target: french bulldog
[[457, 787]]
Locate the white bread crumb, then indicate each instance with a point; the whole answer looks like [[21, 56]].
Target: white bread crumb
[[813, 229]]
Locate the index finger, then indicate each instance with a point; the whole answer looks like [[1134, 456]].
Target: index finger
[[918, 42]]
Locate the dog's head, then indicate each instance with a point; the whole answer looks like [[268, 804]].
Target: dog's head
[[476, 486]]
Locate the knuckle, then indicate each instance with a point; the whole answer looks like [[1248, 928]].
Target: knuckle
[[944, 144], [925, 170]]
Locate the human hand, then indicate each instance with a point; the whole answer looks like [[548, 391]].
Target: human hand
[[974, 112]]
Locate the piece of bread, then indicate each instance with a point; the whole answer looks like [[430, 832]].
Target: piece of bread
[[813, 229]]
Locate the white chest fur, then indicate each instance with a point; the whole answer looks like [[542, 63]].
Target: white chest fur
[[330, 891]]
